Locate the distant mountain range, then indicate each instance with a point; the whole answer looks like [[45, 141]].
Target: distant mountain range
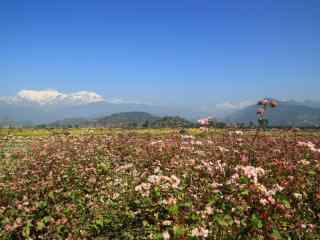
[[289, 113], [41, 107], [286, 114], [30, 107]]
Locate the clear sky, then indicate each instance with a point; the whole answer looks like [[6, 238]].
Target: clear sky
[[193, 52]]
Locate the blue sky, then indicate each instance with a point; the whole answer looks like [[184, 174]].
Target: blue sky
[[187, 52]]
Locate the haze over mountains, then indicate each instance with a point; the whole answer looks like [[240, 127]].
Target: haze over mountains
[[288, 113], [48, 106]]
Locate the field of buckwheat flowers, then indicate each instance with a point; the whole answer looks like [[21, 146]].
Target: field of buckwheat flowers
[[225, 184]]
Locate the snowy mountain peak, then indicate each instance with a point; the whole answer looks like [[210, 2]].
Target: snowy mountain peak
[[85, 97], [41, 97], [50, 97]]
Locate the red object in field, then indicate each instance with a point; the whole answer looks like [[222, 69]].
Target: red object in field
[[264, 216], [318, 196], [204, 121]]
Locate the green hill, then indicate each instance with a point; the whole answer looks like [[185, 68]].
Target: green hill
[[125, 120]]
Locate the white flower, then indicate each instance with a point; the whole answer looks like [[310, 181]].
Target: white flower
[[164, 181], [187, 137], [143, 189], [298, 196], [154, 179], [209, 210], [304, 162], [169, 201], [157, 170], [251, 172], [222, 149], [165, 235], [175, 181], [266, 192], [156, 142], [200, 232], [238, 133], [278, 188], [124, 167], [310, 145], [216, 185], [264, 201], [167, 223]]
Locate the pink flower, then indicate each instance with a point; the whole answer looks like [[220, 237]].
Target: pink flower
[[260, 111], [264, 102], [244, 158], [312, 226], [200, 232], [204, 121], [271, 200], [8, 227], [209, 210], [251, 172]]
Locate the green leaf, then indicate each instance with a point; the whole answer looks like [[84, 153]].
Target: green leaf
[[244, 180], [40, 226], [157, 191], [51, 195], [214, 198], [173, 210], [256, 221], [158, 236], [193, 218], [224, 220], [286, 203], [244, 192], [178, 231], [312, 173], [276, 234], [26, 230], [46, 219]]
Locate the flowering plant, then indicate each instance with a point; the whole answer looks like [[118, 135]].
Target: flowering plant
[[205, 121], [261, 111], [160, 184]]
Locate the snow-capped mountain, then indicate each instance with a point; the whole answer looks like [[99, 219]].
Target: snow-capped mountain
[[53, 97], [45, 106]]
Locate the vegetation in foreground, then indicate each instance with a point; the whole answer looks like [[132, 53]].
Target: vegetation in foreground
[[160, 185]]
